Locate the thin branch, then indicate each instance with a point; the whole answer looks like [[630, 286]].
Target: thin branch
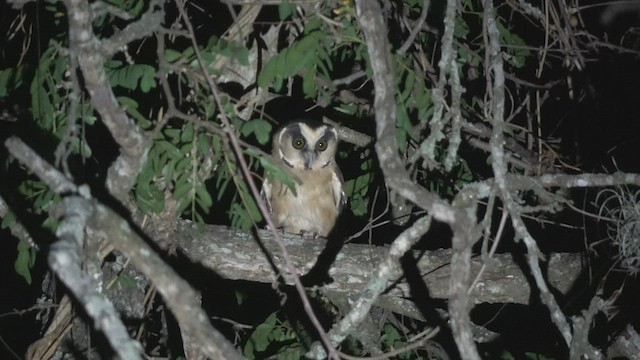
[[387, 270], [149, 22], [447, 58], [235, 144], [350, 135], [416, 28], [47, 173], [65, 254], [17, 229], [495, 68]]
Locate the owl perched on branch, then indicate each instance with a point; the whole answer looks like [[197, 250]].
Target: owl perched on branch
[[307, 148]]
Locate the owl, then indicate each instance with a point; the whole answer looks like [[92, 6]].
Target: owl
[[308, 150]]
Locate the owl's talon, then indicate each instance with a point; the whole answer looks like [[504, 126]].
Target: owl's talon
[[308, 234]]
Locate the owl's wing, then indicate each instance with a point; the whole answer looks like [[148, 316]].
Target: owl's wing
[[337, 184], [265, 193]]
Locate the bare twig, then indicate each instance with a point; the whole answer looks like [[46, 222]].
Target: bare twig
[[416, 28], [350, 135], [47, 173]]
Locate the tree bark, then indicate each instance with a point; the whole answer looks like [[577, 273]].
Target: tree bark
[[237, 255]]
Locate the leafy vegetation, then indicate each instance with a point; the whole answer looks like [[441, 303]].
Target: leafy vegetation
[[79, 104]]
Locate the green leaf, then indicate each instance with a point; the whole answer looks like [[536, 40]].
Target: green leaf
[[391, 335], [309, 83], [240, 296], [188, 52], [461, 29], [359, 205], [148, 80], [268, 73], [506, 356], [187, 133], [279, 82], [285, 9], [283, 68], [8, 220], [6, 77], [242, 55], [126, 281], [203, 197], [295, 60], [275, 171], [408, 85], [171, 55], [131, 107], [172, 133], [287, 354], [309, 43], [224, 183], [150, 199], [24, 261], [260, 128], [131, 76], [182, 189], [261, 335], [249, 351]]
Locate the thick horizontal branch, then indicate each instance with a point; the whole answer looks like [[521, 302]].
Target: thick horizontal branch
[[236, 255]]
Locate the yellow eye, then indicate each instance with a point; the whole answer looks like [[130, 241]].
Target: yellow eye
[[298, 143], [321, 145]]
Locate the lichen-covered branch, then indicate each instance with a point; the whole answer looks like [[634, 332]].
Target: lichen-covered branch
[[82, 215], [396, 176], [145, 26], [464, 236], [446, 64], [47, 173], [133, 142], [386, 271], [65, 255], [496, 112], [65, 259], [235, 255], [17, 229], [176, 292]]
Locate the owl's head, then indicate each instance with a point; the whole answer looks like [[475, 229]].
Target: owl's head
[[306, 144]]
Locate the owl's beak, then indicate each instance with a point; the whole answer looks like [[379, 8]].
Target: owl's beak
[[309, 158]]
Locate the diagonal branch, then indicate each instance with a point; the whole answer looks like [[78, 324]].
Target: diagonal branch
[[385, 272], [396, 176], [133, 142], [65, 259], [81, 213]]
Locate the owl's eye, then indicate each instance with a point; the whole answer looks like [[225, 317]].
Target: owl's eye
[[321, 145], [298, 143]]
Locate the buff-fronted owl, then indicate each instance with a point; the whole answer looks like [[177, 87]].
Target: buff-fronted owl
[[307, 148]]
